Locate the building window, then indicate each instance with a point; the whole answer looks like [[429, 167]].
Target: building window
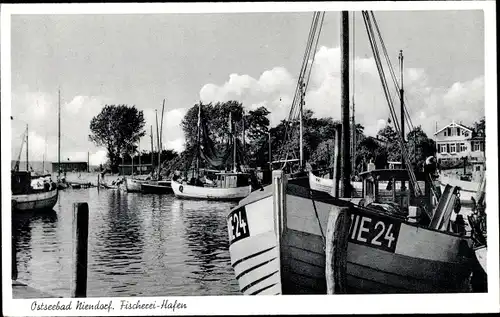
[[458, 131], [449, 131], [443, 148], [466, 134], [478, 168], [476, 146], [463, 147], [453, 148]]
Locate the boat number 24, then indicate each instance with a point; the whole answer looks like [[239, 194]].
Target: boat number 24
[[377, 232], [237, 224]]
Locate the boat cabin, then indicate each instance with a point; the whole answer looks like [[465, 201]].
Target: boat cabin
[[232, 180], [392, 186], [20, 182]]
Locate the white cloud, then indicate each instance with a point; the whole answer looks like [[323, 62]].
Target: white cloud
[[462, 101], [176, 145], [98, 157]]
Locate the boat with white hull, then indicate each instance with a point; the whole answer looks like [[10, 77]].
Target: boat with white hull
[[221, 192]]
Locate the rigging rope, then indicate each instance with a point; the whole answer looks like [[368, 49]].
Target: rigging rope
[[376, 54], [303, 80]]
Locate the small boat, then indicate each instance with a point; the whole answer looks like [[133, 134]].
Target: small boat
[[229, 186], [321, 184], [133, 185], [26, 198], [467, 188], [156, 187]]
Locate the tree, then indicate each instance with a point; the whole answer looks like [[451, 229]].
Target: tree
[[420, 146], [479, 128], [118, 128], [257, 128], [393, 145]]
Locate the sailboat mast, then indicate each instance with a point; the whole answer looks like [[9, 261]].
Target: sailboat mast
[[345, 168], [301, 128], [157, 141], [27, 145], [161, 134], [233, 136], [151, 147], [59, 135], [353, 155], [139, 150], [198, 140], [401, 100]]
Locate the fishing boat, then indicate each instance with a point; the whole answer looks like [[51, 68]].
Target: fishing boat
[[229, 186], [30, 193], [291, 239], [156, 187], [281, 242], [27, 198]]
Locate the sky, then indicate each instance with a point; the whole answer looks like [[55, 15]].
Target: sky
[[254, 58]]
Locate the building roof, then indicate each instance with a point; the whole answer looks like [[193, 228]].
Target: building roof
[[454, 125]]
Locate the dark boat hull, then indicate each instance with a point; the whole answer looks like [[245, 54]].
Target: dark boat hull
[[148, 188]]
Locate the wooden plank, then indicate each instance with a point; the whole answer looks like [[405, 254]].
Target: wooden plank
[[306, 241]]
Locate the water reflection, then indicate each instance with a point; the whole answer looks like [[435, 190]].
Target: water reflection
[[139, 245], [206, 237]]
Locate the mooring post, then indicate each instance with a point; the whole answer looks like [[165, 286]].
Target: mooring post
[[279, 210], [337, 232], [98, 183], [80, 248]]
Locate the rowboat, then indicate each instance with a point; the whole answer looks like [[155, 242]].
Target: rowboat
[[26, 198], [229, 186], [281, 242]]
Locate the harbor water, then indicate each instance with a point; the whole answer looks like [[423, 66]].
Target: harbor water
[[139, 245]]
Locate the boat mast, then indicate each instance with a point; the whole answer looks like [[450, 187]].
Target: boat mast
[[353, 88], [139, 151], [233, 136], [157, 141], [161, 135], [401, 100], [27, 145], [59, 136], [152, 165], [270, 155], [301, 128], [344, 102], [198, 141]]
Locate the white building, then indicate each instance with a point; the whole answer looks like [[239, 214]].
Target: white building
[[455, 142]]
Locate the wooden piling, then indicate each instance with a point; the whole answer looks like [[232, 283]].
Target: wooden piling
[[279, 210], [336, 250], [98, 183], [80, 249]]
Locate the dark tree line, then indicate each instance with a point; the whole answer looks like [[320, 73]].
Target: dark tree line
[[118, 128]]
